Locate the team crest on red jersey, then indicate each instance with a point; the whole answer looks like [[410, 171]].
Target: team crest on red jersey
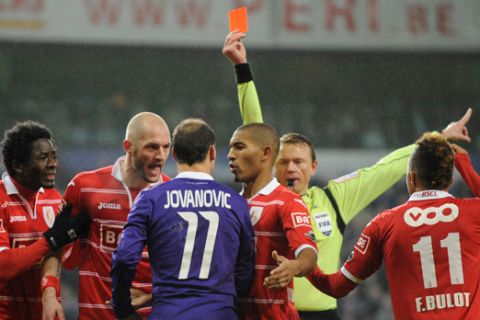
[[300, 219], [362, 243], [255, 214], [48, 215]]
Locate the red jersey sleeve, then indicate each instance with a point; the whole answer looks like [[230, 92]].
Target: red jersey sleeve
[[297, 226], [71, 252], [72, 195], [469, 175], [367, 255], [4, 240]]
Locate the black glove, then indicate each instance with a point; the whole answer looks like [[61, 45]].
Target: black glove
[[66, 228]]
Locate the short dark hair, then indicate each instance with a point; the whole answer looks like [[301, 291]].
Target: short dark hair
[[298, 139], [264, 134], [191, 140], [433, 161], [18, 141]]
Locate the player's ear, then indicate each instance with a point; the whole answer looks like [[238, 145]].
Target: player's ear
[[174, 155], [17, 167], [411, 180], [212, 152], [127, 145], [314, 167], [267, 153]]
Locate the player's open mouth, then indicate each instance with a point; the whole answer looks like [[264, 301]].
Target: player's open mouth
[[233, 168], [155, 167]]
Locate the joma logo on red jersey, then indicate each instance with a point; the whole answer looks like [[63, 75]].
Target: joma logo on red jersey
[[108, 205], [17, 219], [300, 219]]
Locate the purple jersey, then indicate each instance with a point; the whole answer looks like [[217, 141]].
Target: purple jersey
[[201, 248]]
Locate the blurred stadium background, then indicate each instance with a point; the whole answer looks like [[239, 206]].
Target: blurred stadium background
[[359, 77]]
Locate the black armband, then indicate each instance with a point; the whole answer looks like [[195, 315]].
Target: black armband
[[243, 73]]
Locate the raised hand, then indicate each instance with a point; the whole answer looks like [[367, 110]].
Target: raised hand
[[457, 130], [234, 49]]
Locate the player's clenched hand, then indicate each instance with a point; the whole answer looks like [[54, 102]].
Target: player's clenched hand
[[234, 49], [140, 299], [67, 228], [51, 308], [457, 131], [281, 276]]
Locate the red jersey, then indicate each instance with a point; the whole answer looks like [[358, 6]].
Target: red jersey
[[430, 245], [108, 200], [23, 220], [281, 222], [469, 175]]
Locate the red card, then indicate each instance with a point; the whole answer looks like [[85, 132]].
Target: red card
[[238, 19]]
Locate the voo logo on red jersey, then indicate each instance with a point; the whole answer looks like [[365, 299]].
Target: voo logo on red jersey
[[416, 217], [300, 219]]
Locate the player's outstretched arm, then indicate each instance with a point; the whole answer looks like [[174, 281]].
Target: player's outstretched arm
[[465, 167], [235, 51], [18, 260], [64, 230], [281, 276], [356, 191], [335, 285]]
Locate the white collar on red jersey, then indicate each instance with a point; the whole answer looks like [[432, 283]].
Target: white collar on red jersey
[[429, 194], [10, 186], [272, 185], [117, 172], [194, 175]]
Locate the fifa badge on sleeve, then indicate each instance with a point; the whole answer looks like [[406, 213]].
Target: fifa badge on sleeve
[[323, 222]]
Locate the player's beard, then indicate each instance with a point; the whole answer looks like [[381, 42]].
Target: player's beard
[[140, 167]]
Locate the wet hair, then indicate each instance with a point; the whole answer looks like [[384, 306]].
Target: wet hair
[[192, 139], [299, 139], [264, 135], [18, 141], [433, 161]]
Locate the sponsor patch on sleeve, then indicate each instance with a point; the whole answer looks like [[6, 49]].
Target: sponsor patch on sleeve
[[362, 243], [300, 219], [311, 235]]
